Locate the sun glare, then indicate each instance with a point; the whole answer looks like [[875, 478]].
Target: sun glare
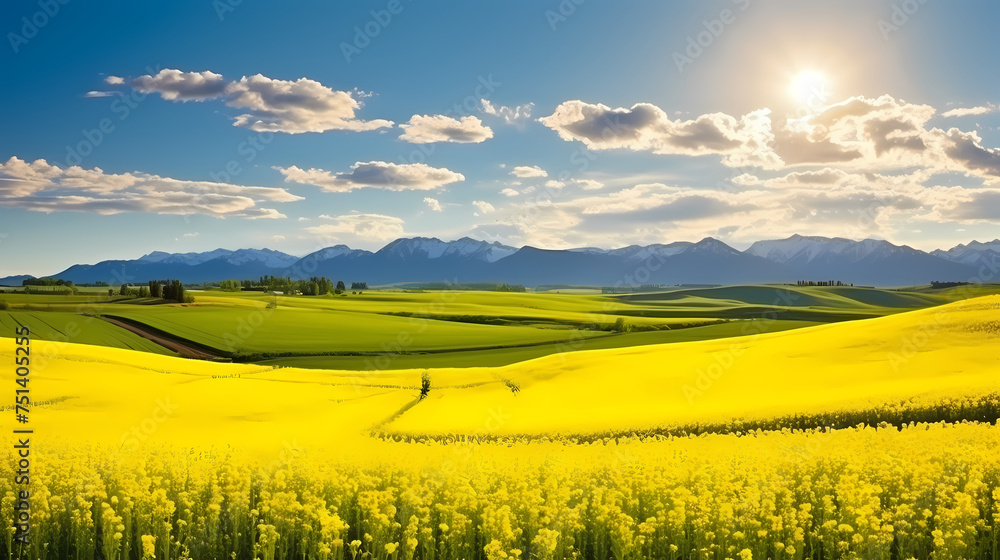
[[810, 88]]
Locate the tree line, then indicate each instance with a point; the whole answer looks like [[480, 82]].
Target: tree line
[[315, 286]]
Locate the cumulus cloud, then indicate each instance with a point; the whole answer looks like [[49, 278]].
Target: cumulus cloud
[[270, 105], [511, 115], [885, 134], [825, 201], [42, 187], [483, 206], [374, 174], [509, 192], [99, 94], [589, 184], [646, 127], [967, 111], [427, 129], [553, 184], [114, 80], [433, 204], [297, 106], [175, 85], [528, 172], [359, 226], [881, 134]]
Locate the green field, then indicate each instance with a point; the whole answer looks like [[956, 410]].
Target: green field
[[78, 329], [413, 328]]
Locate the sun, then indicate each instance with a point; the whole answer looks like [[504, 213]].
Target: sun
[[810, 88]]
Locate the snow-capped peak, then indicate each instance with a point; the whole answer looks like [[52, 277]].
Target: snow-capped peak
[[269, 257], [806, 249], [972, 252], [433, 248]]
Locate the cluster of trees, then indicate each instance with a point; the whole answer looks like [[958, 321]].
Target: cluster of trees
[[170, 290], [315, 286], [821, 283], [939, 285], [128, 290], [505, 287], [46, 282]]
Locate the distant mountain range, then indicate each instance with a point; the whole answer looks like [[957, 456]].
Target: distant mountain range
[[466, 260]]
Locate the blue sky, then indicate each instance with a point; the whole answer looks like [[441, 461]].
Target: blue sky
[[239, 125]]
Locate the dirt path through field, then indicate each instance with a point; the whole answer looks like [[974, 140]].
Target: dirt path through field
[[173, 344]]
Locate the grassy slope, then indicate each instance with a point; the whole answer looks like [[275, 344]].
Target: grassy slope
[[318, 330], [101, 394], [839, 366], [484, 328], [70, 327], [493, 358]]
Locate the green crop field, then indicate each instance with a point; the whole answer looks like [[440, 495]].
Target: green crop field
[[78, 329], [413, 328]]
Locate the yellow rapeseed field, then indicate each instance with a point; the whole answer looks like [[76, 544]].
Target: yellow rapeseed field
[[136, 456]]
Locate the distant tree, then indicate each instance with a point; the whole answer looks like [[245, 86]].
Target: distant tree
[[340, 287], [144, 291], [359, 285], [155, 289], [124, 290], [230, 285], [174, 291], [111, 292]]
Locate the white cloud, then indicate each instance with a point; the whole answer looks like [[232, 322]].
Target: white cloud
[[511, 115], [746, 179], [271, 105], [645, 127], [358, 226], [374, 174], [553, 184], [42, 187], [175, 85], [99, 94], [483, 206], [859, 134], [193, 234], [433, 204], [278, 237], [114, 80], [301, 106], [426, 129], [589, 184], [509, 192], [966, 111], [526, 172], [826, 201]]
